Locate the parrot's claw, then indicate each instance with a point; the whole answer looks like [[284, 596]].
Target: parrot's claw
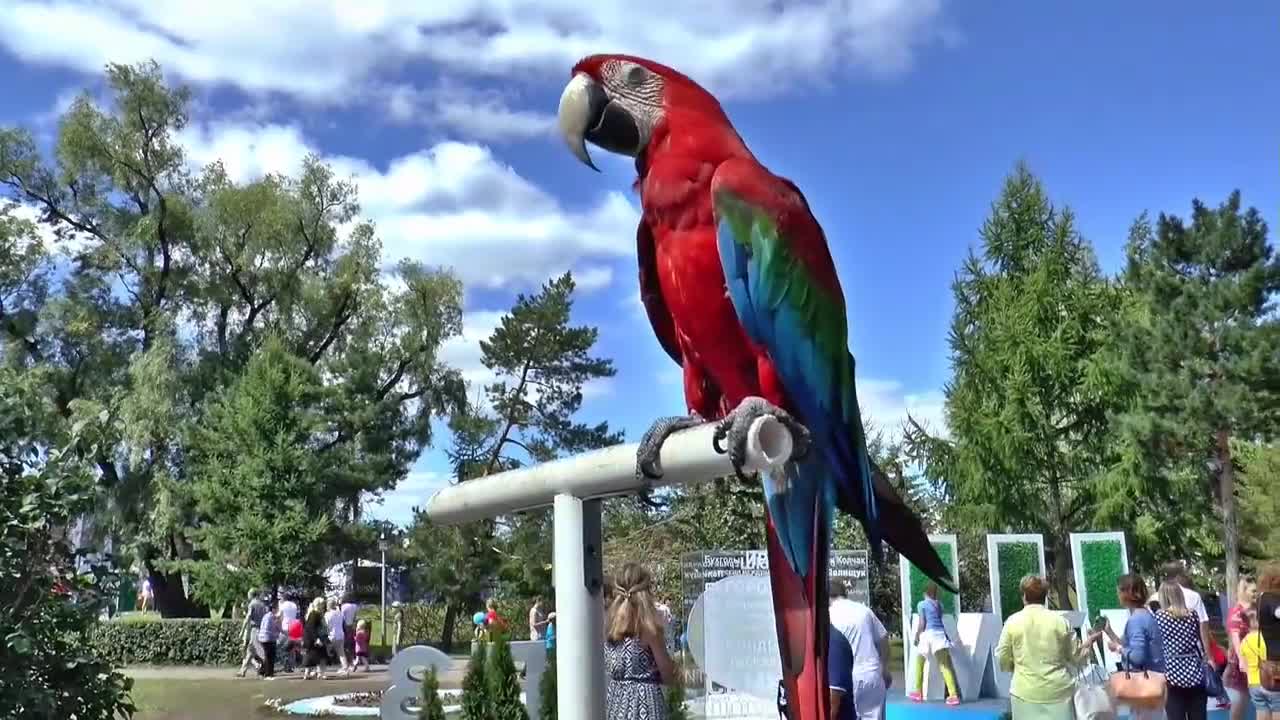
[[735, 426], [649, 456]]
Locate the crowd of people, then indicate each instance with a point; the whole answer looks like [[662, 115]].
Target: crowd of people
[[1171, 666], [327, 634]]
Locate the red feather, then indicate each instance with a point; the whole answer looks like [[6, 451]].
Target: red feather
[[722, 366]]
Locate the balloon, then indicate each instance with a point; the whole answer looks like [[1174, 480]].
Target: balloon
[[478, 618]]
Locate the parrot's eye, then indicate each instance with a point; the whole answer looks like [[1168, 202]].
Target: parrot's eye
[[635, 75]]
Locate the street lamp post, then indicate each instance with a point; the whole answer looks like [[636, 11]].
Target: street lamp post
[[382, 545]]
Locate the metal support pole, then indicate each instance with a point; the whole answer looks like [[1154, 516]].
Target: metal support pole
[[384, 596], [577, 570]]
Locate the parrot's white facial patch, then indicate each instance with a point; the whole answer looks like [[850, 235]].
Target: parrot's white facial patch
[[638, 90]]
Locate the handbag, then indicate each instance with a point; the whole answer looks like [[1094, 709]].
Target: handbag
[[1091, 699], [1268, 670], [1142, 689], [1213, 682]]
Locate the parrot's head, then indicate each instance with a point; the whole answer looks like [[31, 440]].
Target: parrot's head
[[618, 101]]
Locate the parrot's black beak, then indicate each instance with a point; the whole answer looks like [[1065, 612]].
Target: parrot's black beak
[[587, 113]]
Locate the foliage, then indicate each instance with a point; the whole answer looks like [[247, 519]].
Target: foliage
[[50, 605], [210, 641], [1198, 352], [431, 706], [476, 703], [174, 279], [674, 695], [263, 493], [547, 689], [504, 683], [1259, 498], [1027, 402], [1015, 561], [919, 580], [1103, 562], [541, 363]]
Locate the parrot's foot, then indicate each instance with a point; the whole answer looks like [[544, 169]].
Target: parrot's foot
[[737, 424], [649, 456]]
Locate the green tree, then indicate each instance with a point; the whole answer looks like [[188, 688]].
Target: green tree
[[264, 497], [1025, 407], [432, 708], [476, 702], [1201, 355], [50, 607], [174, 280], [542, 363], [1259, 488], [504, 683]]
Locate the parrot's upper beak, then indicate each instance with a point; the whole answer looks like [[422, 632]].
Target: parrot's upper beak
[[587, 113]]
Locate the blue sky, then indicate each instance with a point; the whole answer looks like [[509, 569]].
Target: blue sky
[[898, 119]]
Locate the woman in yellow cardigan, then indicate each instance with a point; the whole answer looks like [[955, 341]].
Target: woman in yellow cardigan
[[1040, 649]]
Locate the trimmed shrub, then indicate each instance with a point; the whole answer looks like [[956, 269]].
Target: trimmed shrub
[[169, 642], [475, 690], [547, 687], [432, 708], [504, 684], [675, 697]]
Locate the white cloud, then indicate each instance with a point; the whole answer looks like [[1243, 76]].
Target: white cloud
[[329, 52], [467, 112], [463, 351], [71, 241], [886, 403], [451, 204], [413, 491]]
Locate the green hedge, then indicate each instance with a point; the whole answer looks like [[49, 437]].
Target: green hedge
[[1015, 561], [919, 580], [169, 642], [1103, 562], [137, 639], [423, 624]]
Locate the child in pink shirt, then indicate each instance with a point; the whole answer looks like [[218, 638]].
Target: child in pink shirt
[[362, 646]]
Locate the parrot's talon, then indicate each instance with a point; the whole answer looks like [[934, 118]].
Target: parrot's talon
[[649, 456], [735, 427]]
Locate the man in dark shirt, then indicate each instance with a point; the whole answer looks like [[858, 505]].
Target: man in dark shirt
[[840, 675], [839, 679], [252, 622]]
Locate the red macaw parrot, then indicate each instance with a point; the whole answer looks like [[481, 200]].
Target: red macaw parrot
[[741, 291]]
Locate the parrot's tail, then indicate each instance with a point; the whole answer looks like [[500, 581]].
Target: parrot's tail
[[800, 611]]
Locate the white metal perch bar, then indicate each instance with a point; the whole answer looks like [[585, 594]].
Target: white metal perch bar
[[573, 487]]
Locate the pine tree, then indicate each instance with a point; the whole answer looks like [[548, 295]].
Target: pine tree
[[1026, 414], [1201, 356], [432, 708], [476, 703], [504, 683], [547, 687]]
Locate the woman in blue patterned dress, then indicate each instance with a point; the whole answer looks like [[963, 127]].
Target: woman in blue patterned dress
[[635, 651], [1184, 656]]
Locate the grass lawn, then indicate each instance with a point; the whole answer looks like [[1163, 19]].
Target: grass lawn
[[229, 699]]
